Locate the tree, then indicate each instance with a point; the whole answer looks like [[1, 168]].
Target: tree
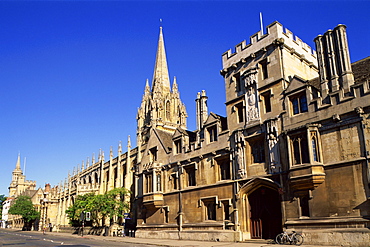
[[82, 203], [109, 205], [2, 199], [23, 206]]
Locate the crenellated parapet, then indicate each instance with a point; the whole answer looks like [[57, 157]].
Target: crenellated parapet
[[276, 35]]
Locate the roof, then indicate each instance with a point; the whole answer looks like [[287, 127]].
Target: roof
[[361, 70]]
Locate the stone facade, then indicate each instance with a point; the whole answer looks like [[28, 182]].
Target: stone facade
[[292, 151], [296, 129]]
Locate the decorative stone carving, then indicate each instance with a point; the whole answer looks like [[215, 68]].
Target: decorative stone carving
[[252, 106], [274, 153], [250, 84], [238, 153]]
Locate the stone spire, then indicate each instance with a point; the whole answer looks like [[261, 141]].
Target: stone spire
[[161, 78], [18, 164], [160, 107]]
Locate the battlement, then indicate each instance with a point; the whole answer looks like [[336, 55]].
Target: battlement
[[275, 32]]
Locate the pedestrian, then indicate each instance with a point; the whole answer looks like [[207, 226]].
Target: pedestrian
[[50, 227]]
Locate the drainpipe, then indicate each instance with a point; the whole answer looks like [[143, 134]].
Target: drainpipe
[[179, 172]]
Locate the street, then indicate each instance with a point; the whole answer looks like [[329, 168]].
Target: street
[[36, 239]]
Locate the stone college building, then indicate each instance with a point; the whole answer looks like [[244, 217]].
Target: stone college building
[[292, 151]]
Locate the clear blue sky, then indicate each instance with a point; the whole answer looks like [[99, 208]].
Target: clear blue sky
[[72, 73]]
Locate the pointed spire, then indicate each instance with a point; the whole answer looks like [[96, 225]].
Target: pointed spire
[[93, 159], [161, 70], [18, 164], [147, 87]]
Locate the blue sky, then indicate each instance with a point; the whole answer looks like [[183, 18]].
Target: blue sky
[[72, 73]]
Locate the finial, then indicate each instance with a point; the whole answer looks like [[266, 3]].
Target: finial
[[160, 22], [129, 142], [120, 147]]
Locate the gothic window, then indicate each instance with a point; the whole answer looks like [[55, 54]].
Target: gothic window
[[264, 70], [178, 146], [239, 112], [258, 150], [190, 175], [149, 182], [266, 96], [212, 133], [168, 111], [314, 146], [159, 181], [299, 103], [153, 154], [300, 149]]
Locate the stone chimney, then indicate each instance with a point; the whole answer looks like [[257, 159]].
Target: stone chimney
[[334, 61], [202, 109]]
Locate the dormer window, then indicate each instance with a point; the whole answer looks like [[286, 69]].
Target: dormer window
[[178, 146], [153, 154], [212, 133], [299, 103]]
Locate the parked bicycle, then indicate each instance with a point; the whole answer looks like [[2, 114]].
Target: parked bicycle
[[292, 238]]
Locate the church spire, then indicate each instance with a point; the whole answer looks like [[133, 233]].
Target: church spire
[[161, 77], [18, 164]]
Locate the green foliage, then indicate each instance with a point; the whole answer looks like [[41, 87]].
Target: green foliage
[[108, 205], [2, 199], [23, 206]]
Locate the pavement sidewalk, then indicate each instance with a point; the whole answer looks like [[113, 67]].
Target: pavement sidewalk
[[175, 243]]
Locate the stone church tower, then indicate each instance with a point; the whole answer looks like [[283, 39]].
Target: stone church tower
[[18, 183], [161, 107]]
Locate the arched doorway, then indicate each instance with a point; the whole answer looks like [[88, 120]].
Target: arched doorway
[[265, 213]]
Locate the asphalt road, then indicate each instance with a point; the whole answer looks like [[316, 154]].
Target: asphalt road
[[37, 239]]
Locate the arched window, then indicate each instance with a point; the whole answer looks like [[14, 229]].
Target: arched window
[[168, 111], [315, 148]]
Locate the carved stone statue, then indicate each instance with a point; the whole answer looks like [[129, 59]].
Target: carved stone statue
[[252, 106], [274, 154]]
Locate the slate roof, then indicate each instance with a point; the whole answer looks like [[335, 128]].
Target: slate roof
[[360, 69]]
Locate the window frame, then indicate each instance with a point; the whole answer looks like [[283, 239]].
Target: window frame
[[298, 103]]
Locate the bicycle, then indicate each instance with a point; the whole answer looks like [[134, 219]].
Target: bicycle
[[293, 238]]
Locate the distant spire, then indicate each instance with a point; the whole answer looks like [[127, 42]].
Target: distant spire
[[161, 70], [147, 87], [18, 164]]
